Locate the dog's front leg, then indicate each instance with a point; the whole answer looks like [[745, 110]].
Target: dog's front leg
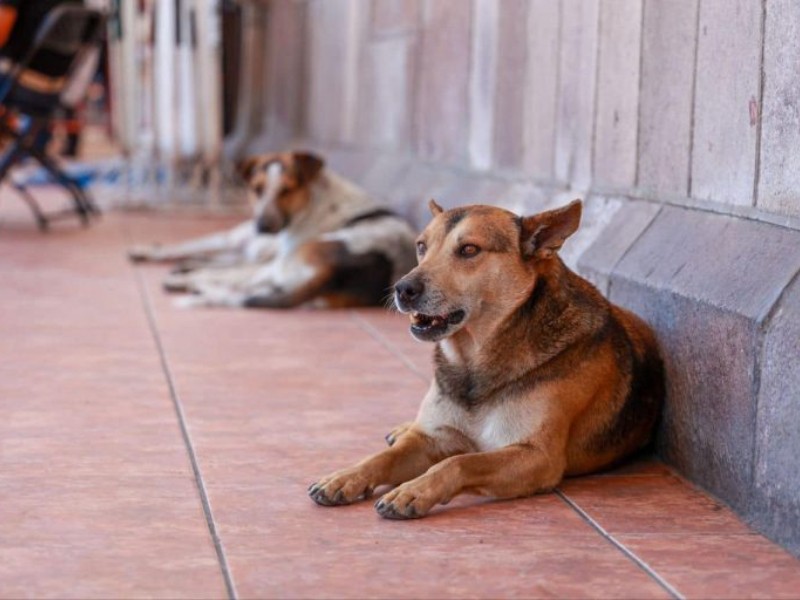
[[231, 240], [411, 455], [510, 472]]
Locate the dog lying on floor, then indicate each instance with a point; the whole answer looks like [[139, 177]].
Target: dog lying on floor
[[315, 239], [537, 375]]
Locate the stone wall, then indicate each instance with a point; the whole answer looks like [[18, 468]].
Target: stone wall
[[678, 122]]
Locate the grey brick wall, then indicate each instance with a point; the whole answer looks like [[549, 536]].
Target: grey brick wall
[[677, 122]]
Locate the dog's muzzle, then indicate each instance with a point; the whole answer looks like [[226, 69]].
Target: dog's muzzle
[[409, 297], [269, 224], [407, 292]]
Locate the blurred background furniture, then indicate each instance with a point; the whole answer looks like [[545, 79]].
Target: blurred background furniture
[[69, 41]]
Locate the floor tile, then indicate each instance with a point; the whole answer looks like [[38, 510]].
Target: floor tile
[[391, 328], [96, 482], [356, 565], [664, 504], [97, 493], [719, 565]]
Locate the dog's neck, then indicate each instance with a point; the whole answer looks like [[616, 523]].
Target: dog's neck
[[475, 363], [333, 201]]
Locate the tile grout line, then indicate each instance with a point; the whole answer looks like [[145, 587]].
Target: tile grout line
[[379, 337], [187, 439], [649, 571]]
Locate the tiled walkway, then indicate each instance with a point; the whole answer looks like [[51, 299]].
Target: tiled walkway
[[147, 451]]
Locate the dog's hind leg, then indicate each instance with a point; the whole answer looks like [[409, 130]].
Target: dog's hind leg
[[326, 272], [292, 282], [222, 260], [210, 297], [231, 240]]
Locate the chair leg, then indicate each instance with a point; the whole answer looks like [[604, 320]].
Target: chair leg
[[24, 143], [12, 154], [41, 218], [83, 205]]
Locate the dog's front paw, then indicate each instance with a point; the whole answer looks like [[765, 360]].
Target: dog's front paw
[[395, 433], [412, 500], [176, 282], [192, 301], [144, 252], [342, 487]]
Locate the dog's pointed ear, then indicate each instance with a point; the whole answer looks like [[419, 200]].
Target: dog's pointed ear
[[435, 208], [543, 234], [306, 166], [246, 166]]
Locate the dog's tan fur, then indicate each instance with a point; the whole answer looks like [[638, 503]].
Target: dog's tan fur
[[537, 375]]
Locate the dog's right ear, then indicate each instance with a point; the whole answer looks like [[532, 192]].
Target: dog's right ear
[[246, 166], [435, 208], [307, 166], [543, 234]]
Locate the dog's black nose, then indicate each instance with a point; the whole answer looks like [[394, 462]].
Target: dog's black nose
[[263, 227], [408, 290]]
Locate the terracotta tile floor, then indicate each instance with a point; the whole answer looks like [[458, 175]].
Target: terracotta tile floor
[[147, 451]]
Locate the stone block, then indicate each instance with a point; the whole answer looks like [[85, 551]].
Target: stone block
[[509, 95], [576, 90], [352, 164], [472, 189], [441, 107], [734, 264], [541, 88], [777, 484], [779, 182], [597, 262], [385, 175], [727, 86], [394, 16], [597, 213], [706, 282], [617, 113], [327, 53], [286, 40], [525, 199], [709, 418], [386, 93], [665, 104], [483, 73], [421, 183]]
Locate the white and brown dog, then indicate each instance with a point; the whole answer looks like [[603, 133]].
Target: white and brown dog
[[315, 239]]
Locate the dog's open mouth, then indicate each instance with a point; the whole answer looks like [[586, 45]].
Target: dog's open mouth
[[430, 325]]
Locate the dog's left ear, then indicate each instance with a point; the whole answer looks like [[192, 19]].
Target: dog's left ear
[[543, 234], [306, 166], [434, 207], [246, 166]]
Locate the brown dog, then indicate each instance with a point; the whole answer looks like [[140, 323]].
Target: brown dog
[[537, 375]]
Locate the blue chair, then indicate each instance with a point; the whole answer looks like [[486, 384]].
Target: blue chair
[[69, 40]]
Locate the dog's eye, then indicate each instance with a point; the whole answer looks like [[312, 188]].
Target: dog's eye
[[421, 248], [468, 250]]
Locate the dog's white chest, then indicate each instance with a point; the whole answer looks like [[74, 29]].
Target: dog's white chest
[[509, 422], [506, 422]]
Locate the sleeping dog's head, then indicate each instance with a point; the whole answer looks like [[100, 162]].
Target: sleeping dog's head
[[476, 264], [278, 186]]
